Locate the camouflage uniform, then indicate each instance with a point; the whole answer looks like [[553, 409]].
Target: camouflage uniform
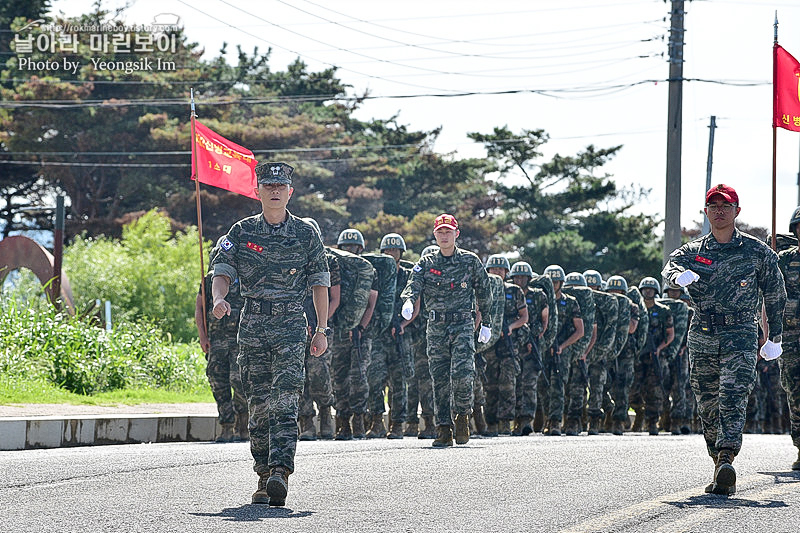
[[349, 373], [536, 300], [502, 362], [676, 372], [577, 383], [387, 367], [602, 353], [495, 317], [649, 394], [623, 381], [420, 387], [449, 285], [558, 366], [275, 265], [723, 335], [318, 385], [789, 262], [223, 368]]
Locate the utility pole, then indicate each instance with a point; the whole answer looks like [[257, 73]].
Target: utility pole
[[672, 214], [709, 162]]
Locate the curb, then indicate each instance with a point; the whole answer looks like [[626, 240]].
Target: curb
[[59, 431]]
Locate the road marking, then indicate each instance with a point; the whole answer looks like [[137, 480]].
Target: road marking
[[637, 513]]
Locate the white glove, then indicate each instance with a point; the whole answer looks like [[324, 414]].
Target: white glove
[[408, 310], [687, 277], [771, 350], [485, 334]]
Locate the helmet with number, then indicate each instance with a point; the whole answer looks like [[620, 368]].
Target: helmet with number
[[575, 279], [313, 222], [393, 240], [555, 273], [650, 283], [521, 268], [432, 249], [795, 219], [593, 278], [498, 261], [617, 283], [351, 236]]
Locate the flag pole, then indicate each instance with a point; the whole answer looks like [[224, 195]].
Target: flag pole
[[199, 214], [774, 129]]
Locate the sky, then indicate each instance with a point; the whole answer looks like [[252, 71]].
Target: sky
[[585, 71]]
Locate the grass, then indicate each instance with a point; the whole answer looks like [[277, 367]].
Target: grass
[[16, 390]]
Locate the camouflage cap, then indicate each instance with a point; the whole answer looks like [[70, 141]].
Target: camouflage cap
[[267, 173]]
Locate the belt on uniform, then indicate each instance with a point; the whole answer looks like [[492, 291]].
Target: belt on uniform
[[266, 307], [444, 316], [709, 321]]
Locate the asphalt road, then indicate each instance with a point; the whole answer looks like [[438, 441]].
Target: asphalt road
[[633, 483]]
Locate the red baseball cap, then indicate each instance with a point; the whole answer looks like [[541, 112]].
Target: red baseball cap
[[726, 191], [445, 220]]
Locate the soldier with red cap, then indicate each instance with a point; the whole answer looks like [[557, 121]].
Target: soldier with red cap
[[450, 280], [725, 273]]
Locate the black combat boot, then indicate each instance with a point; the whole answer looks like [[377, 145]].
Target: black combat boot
[[325, 426], [429, 431], [307, 429], [412, 429], [724, 474], [652, 426], [377, 430], [240, 425], [504, 427], [525, 425], [444, 437], [226, 434], [395, 430], [617, 427], [572, 427], [260, 495], [595, 423], [480, 420], [555, 428], [358, 426], [638, 422]]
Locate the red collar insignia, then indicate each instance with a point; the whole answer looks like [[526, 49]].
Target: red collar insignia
[[704, 260], [437, 272], [256, 247]]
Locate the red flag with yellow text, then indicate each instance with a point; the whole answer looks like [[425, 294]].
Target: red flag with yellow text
[[786, 91], [222, 163]]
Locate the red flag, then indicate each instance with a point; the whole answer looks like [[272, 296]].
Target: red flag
[[786, 87], [223, 163]]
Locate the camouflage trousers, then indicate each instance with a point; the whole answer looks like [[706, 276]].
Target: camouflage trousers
[[224, 376], [420, 387], [597, 389], [721, 382], [623, 380], [272, 374], [386, 368], [500, 386], [557, 369], [349, 374], [451, 356], [318, 387], [526, 391], [648, 389], [766, 401], [790, 380], [576, 392], [675, 379]]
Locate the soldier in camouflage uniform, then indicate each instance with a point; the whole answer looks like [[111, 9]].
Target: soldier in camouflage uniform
[[420, 387], [276, 257], [449, 280], [578, 381], [495, 318], [389, 364], [601, 353], [675, 416], [561, 355], [349, 371], [651, 365], [789, 262], [725, 271], [218, 341], [532, 365], [318, 385], [623, 374], [503, 359]]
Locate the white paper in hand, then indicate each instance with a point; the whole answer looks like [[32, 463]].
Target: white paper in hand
[[485, 334], [408, 310]]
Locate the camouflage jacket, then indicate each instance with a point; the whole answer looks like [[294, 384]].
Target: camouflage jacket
[[495, 314], [605, 316], [567, 309], [659, 320], [536, 299], [732, 275], [789, 263], [680, 322], [624, 309], [273, 262], [336, 279], [449, 284]]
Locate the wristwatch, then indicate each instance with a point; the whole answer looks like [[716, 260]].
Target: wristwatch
[[325, 331], [777, 339]]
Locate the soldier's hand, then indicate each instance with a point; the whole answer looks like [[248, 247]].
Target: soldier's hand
[[408, 309], [319, 343], [771, 350], [485, 334], [205, 345], [686, 277], [221, 308]]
